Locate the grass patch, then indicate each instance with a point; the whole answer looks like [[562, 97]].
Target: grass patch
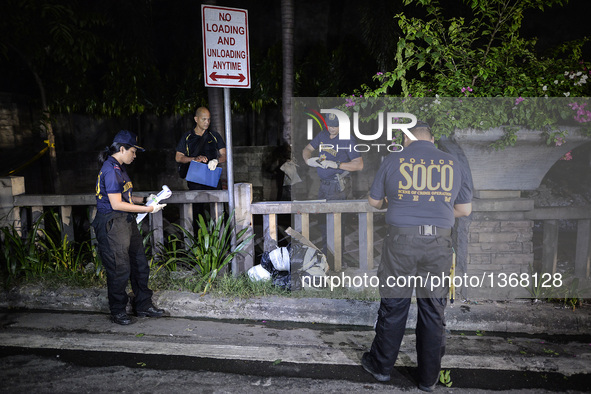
[[43, 257], [53, 281], [229, 286], [242, 287]]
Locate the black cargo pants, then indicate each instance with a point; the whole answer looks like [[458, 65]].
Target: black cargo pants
[[122, 252], [408, 256]]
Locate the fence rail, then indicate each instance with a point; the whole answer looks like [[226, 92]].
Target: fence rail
[[36, 204], [29, 208], [301, 211], [20, 205]]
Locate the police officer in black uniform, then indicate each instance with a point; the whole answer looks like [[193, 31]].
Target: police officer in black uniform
[[119, 242], [424, 190]]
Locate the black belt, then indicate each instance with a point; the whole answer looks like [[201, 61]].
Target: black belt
[[334, 179], [421, 230]]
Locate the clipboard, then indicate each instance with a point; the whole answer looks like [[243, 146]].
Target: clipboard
[[200, 173]]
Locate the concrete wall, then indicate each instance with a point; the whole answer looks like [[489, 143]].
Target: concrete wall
[[499, 240], [20, 140], [80, 138]]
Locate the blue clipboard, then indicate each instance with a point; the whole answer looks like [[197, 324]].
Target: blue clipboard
[[199, 173]]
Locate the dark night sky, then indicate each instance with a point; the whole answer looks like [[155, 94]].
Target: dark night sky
[[319, 24]]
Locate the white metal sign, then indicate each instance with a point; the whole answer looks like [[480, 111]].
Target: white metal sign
[[225, 47]]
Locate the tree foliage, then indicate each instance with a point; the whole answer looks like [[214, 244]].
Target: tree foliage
[[481, 53], [96, 57]]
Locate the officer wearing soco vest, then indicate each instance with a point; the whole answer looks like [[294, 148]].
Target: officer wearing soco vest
[[424, 190]]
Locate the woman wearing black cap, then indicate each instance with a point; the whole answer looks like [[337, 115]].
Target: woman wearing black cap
[[119, 241]]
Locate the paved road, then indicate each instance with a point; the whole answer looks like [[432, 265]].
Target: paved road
[[85, 352], [36, 374]]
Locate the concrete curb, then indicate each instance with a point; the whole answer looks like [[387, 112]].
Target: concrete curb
[[514, 317]]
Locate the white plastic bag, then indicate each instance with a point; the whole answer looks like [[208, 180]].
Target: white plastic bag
[[280, 259], [257, 273]]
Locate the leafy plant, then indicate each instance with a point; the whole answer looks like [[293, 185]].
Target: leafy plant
[[210, 250], [572, 294], [445, 378], [172, 256], [19, 253], [57, 253], [44, 254]]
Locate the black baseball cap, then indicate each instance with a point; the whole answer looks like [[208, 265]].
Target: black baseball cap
[[128, 138], [421, 124], [331, 120]]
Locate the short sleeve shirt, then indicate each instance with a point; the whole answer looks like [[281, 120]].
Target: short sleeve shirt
[[112, 178], [422, 185], [335, 149], [190, 141]]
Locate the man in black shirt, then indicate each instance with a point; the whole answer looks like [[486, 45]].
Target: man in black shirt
[[201, 145]]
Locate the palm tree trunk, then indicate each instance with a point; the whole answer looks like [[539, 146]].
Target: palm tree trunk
[[287, 23], [215, 98], [216, 108]]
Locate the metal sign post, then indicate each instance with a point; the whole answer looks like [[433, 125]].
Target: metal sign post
[[230, 166], [226, 60]]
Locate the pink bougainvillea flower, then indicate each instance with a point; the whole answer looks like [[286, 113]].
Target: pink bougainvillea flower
[[567, 156], [559, 141], [583, 115], [466, 90]]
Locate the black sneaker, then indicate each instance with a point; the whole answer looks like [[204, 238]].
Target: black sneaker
[[428, 389], [121, 318], [368, 366], [152, 311]]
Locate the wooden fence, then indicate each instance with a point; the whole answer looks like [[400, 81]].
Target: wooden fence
[[27, 209], [22, 209]]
